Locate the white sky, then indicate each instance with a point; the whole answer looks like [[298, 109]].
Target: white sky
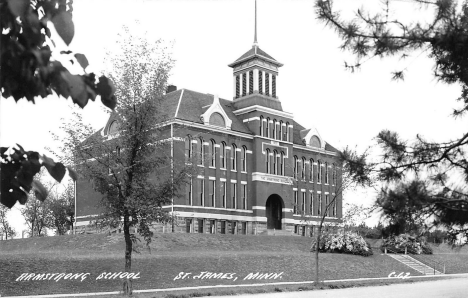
[[207, 35]]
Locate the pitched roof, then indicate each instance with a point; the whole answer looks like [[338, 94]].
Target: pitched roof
[[192, 104], [255, 51], [297, 137]]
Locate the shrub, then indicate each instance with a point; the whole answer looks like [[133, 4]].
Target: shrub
[[347, 242], [413, 245]]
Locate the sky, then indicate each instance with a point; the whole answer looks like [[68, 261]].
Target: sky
[[204, 36]]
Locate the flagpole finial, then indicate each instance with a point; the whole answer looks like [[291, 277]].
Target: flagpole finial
[[255, 34]]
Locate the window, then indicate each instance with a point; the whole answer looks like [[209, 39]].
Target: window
[[113, 128], [260, 82], [212, 226], [202, 191], [117, 151], [311, 207], [303, 207], [334, 207], [315, 142], [234, 157], [278, 163], [202, 152], [295, 202], [237, 86], [244, 196], [273, 134], [319, 203], [244, 159], [273, 85], [282, 163], [268, 128], [296, 167], [217, 119], [261, 126], [311, 170], [303, 169], [319, 172], [213, 153], [287, 132], [234, 195], [251, 82], [281, 131], [267, 84], [326, 173], [243, 228], [223, 194], [267, 161], [223, 227], [190, 192], [244, 84], [222, 156], [213, 193], [200, 226], [188, 147], [327, 203], [188, 225], [275, 163], [334, 174]]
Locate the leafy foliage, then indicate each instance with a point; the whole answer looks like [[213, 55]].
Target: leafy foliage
[[62, 206], [348, 242], [28, 71], [37, 216], [406, 242], [445, 38]]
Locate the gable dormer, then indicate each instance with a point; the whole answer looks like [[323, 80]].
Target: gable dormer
[[215, 115]]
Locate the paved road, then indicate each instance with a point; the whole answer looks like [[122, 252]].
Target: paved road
[[447, 288]]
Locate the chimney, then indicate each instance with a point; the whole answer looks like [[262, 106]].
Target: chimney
[[171, 88]]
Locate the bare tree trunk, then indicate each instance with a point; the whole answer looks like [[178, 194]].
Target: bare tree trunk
[[127, 285], [319, 236]]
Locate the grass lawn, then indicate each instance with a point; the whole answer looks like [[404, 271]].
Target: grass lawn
[[174, 253]]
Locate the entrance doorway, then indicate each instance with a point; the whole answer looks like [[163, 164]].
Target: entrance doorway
[[274, 212]]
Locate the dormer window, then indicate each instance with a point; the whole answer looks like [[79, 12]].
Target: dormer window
[[315, 142], [217, 119]]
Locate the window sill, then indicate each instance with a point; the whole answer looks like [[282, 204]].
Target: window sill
[[243, 172], [233, 171], [223, 169], [201, 166], [212, 167]]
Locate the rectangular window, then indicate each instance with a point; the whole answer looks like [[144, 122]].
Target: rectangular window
[[202, 191], [234, 158], [223, 194], [213, 193], [237, 86], [234, 227], [260, 82], [327, 203], [223, 227], [202, 153], [334, 208], [251, 82], [234, 195], [244, 84], [244, 228], [190, 192], [303, 208], [273, 86], [311, 207], [267, 84], [244, 159], [212, 226], [319, 203], [244, 196], [188, 225], [200, 225], [295, 202]]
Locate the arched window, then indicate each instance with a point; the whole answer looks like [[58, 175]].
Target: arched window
[[282, 163], [244, 159], [260, 82], [296, 165], [303, 168], [319, 172], [287, 132], [217, 119], [281, 131], [201, 152], [279, 165], [114, 127], [267, 161], [188, 147], [326, 173], [268, 127], [311, 170], [275, 162], [273, 134], [315, 142], [222, 155], [334, 174], [213, 153], [261, 126], [234, 157]]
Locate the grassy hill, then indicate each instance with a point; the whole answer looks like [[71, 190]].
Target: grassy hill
[[171, 254]]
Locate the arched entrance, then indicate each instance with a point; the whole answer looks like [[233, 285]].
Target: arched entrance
[[274, 212]]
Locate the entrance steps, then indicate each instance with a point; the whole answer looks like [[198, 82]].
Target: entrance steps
[[415, 264]]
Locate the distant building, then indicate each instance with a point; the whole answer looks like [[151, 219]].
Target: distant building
[[265, 172]]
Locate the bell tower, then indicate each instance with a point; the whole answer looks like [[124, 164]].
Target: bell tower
[[255, 77]]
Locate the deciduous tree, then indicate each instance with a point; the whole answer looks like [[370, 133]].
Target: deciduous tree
[[62, 206], [131, 165], [5, 227]]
